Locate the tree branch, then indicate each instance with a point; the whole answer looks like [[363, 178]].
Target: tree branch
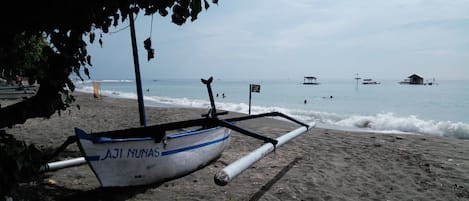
[[45, 103]]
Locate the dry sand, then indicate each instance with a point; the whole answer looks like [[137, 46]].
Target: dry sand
[[320, 165]]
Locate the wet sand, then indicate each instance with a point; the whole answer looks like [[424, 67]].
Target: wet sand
[[322, 164]]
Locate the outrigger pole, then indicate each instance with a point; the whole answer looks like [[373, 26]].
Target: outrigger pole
[[62, 164], [236, 168]]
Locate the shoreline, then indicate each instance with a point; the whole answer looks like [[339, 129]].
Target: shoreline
[[384, 122], [324, 164], [360, 126]]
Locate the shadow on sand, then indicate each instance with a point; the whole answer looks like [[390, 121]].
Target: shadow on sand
[[44, 191], [274, 180], [102, 194], [54, 192]]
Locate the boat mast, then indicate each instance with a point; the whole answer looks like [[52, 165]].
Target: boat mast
[[141, 107]]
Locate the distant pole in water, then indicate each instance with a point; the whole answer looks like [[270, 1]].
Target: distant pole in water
[[357, 78], [141, 107]]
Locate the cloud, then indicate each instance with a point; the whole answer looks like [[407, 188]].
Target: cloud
[[287, 35]]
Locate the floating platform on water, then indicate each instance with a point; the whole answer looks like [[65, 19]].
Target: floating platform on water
[[310, 80]]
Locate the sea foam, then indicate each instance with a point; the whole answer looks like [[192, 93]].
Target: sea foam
[[381, 122]]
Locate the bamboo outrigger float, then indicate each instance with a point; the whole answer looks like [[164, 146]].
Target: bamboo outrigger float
[[234, 169]]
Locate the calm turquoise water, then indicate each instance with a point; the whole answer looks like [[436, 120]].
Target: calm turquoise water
[[388, 107]]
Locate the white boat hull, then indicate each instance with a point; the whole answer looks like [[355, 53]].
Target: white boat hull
[[141, 161]]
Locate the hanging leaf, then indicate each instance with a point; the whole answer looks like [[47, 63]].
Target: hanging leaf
[[151, 10], [100, 42], [150, 51], [147, 43], [70, 85], [196, 8], [116, 20], [125, 12], [151, 54], [206, 5], [163, 12], [77, 72], [88, 60], [92, 37], [178, 15], [87, 72]]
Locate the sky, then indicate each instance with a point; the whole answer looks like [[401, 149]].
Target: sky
[[290, 39]]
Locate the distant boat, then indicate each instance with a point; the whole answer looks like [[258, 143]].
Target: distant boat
[[369, 81], [309, 80]]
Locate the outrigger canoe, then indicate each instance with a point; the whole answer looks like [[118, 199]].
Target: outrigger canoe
[[152, 154], [145, 160]]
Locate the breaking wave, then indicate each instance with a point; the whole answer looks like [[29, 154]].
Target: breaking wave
[[381, 122], [103, 81]]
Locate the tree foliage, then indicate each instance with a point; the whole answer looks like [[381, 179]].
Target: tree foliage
[[20, 162], [44, 40]]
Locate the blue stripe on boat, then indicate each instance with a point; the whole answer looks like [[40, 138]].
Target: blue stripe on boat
[[178, 135], [92, 158], [175, 151]]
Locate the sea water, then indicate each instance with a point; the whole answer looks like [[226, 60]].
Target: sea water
[[438, 109]]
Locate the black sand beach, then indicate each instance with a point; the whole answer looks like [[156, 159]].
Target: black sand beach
[[320, 165]]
